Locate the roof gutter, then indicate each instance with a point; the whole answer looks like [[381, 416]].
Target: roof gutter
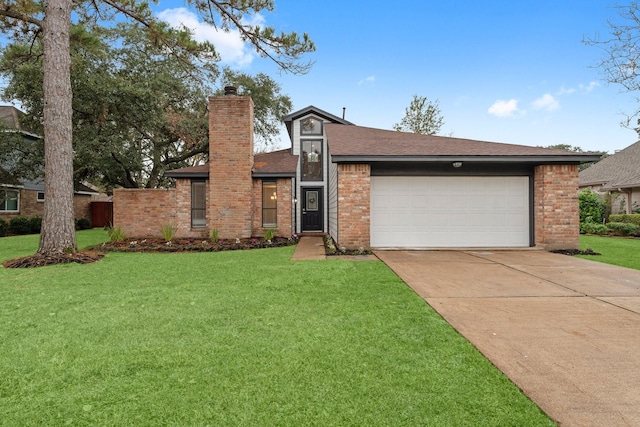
[[186, 174], [624, 188], [274, 175], [569, 159]]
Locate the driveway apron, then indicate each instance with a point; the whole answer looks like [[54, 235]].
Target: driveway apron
[[565, 330]]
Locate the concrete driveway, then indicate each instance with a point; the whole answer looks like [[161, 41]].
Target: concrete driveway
[[565, 330]]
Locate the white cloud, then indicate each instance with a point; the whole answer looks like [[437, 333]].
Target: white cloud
[[588, 88], [228, 44], [367, 80], [546, 102], [502, 108], [565, 91]]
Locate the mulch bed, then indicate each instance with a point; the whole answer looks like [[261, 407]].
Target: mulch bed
[[572, 252], [191, 245], [96, 252], [41, 260]]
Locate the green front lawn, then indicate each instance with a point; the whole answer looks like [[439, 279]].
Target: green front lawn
[[614, 250], [235, 338]]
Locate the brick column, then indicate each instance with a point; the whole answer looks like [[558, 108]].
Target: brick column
[[556, 207], [354, 206], [230, 203]]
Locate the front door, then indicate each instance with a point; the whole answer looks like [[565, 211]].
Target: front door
[[312, 217]]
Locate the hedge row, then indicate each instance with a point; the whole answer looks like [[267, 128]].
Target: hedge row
[[22, 225], [614, 228], [628, 218]]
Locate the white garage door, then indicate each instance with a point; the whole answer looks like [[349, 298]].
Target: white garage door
[[448, 212]]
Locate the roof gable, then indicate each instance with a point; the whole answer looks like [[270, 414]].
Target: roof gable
[[317, 111], [620, 170], [311, 110]]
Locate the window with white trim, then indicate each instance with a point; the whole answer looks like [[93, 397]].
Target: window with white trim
[[9, 200]]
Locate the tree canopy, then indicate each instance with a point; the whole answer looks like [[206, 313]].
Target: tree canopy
[[620, 63], [136, 111], [57, 22], [421, 116], [576, 149]]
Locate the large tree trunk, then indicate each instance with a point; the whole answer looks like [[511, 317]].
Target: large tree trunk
[[58, 228]]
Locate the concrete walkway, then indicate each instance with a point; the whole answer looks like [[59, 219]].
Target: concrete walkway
[[565, 330], [309, 248]]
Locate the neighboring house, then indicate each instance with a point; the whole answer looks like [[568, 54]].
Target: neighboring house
[[20, 197], [617, 175], [367, 188]]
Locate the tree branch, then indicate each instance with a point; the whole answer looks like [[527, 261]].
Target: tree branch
[[9, 12]]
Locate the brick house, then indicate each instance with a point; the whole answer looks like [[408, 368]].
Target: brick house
[[365, 187], [616, 176], [21, 197]]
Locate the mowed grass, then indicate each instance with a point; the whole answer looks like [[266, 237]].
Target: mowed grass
[[235, 338], [620, 251]]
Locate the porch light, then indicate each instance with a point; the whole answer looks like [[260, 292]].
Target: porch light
[[457, 164]]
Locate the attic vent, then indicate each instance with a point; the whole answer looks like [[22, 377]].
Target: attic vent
[[230, 91]]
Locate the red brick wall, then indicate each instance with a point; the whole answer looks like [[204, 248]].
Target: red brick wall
[[284, 194], [354, 209], [142, 212], [556, 207], [230, 205], [183, 210]]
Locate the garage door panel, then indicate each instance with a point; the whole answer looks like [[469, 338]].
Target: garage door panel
[[449, 212]]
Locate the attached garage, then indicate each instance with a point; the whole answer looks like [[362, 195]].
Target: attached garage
[[390, 189], [450, 211]]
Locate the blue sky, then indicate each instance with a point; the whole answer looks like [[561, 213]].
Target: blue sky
[[505, 71]]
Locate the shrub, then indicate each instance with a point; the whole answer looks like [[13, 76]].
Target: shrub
[[116, 234], [35, 225], [593, 228], [168, 231], [19, 225], [591, 206], [628, 218], [215, 235], [83, 224], [4, 227], [622, 228], [269, 233]]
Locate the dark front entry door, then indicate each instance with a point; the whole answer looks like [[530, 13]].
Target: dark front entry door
[[312, 216]]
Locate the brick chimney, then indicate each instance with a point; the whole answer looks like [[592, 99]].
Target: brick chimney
[[230, 198]]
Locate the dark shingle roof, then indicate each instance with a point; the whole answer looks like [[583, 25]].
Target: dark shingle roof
[[353, 143], [200, 171], [10, 117], [620, 170], [276, 163]]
